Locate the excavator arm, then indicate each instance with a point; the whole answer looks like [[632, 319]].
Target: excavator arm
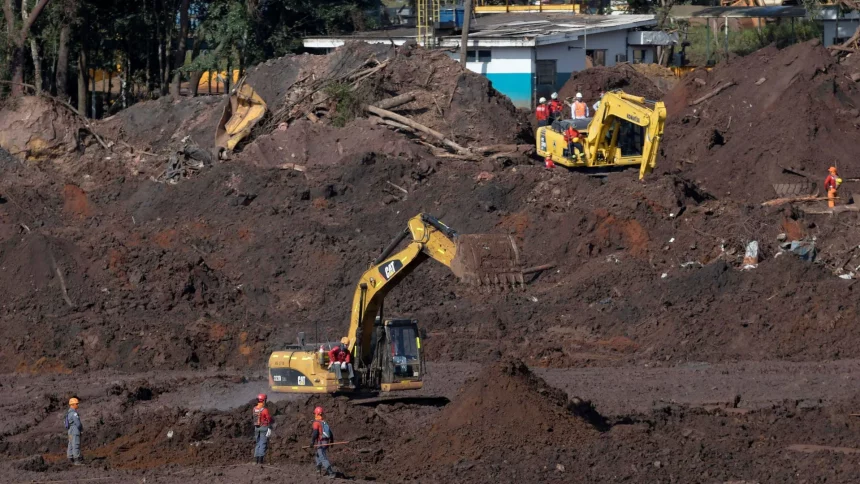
[[607, 127], [387, 352], [478, 259]]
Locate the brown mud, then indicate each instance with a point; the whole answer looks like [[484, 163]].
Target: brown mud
[[106, 271]]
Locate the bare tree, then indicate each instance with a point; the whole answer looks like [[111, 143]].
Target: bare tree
[[19, 41]]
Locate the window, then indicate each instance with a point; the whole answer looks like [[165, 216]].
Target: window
[[598, 56], [545, 72], [638, 56], [479, 56]]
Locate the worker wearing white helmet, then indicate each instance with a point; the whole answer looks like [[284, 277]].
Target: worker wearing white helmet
[[555, 108], [542, 113], [578, 109]]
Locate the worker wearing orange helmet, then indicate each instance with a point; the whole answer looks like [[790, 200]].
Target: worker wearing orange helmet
[[321, 438], [262, 428], [74, 428], [831, 183]]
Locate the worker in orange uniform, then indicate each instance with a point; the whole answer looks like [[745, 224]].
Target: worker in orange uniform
[[831, 183], [555, 108], [321, 438], [578, 108], [542, 112], [262, 428], [572, 137]]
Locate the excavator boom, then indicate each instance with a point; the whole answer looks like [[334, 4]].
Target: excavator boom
[[387, 352]]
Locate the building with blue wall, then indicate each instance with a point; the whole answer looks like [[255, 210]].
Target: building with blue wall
[[530, 55]]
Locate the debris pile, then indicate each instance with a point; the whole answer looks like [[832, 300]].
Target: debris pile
[[774, 117], [591, 82]]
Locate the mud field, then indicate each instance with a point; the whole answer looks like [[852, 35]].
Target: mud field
[[647, 354]]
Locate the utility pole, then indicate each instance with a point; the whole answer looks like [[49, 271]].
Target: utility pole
[[464, 36]]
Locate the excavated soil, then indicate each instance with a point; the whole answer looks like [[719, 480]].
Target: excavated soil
[[107, 272], [789, 115], [591, 82]]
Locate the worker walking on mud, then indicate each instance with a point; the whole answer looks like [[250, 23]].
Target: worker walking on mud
[[262, 428], [542, 113], [831, 183], [578, 108], [74, 429], [321, 438]]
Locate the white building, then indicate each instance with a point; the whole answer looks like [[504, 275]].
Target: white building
[[838, 26], [530, 55]]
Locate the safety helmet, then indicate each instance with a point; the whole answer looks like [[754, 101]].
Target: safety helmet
[[542, 100], [318, 411], [554, 95], [832, 169], [579, 95], [261, 397], [74, 401]]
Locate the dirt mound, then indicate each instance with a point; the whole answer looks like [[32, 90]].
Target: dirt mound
[[448, 98], [34, 128], [787, 116], [662, 77], [162, 124], [305, 143], [504, 411], [591, 82]]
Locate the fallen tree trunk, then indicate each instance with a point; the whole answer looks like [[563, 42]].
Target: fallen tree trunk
[[382, 113], [712, 93], [395, 101], [782, 201]]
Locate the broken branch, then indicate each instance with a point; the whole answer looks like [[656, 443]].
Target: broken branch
[[382, 113], [712, 93], [395, 101]]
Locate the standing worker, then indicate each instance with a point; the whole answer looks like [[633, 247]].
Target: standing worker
[[596, 105], [555, 108], [578, 109], [74, 428], [262, 428], [321, 437], [831, 183], [542, 113]]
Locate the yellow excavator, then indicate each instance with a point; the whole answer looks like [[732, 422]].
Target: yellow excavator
[[625, 130], [386, 352]]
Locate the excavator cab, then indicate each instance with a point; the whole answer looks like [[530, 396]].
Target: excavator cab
[[399, 361]]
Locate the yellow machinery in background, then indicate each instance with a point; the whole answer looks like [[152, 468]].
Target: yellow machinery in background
[[387, 352], [242, 112], [625, 131]]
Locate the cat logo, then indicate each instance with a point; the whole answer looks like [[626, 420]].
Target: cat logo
[[390, 268], [633, 118]]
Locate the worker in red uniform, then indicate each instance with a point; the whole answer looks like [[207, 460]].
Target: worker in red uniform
[[572, 137], [321, 437], [831, 183], [262, 428], [555, 108], [340, 361], [542, 113]]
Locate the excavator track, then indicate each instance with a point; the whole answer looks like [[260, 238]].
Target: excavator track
[[487, 259]]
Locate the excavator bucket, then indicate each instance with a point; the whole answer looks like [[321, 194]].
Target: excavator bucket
[[485, 259], [243, 111]]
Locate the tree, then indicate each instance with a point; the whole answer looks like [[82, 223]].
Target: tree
[[18, 36]]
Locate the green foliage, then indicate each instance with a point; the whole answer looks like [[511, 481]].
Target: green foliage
[[347, 103], [746, 41]]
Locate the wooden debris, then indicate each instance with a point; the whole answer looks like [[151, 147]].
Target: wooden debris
[[812, 448], [397, 187], [760, 81], [782, 201], [712, 93], [382, 113], [395, 101]]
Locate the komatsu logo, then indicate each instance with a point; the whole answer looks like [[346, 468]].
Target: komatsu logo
[[635, 119]]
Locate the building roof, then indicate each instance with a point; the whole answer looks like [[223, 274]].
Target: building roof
[[691, 11], [507, 30]]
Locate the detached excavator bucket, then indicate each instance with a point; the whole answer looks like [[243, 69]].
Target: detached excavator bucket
[[243, 111], [484, 259]]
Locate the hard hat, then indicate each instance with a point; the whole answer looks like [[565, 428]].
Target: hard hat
[[832, 169], [318, 411], [554, 95], [344, 340], [261, 397], [579, 95], [542, 100], [74, 401]]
